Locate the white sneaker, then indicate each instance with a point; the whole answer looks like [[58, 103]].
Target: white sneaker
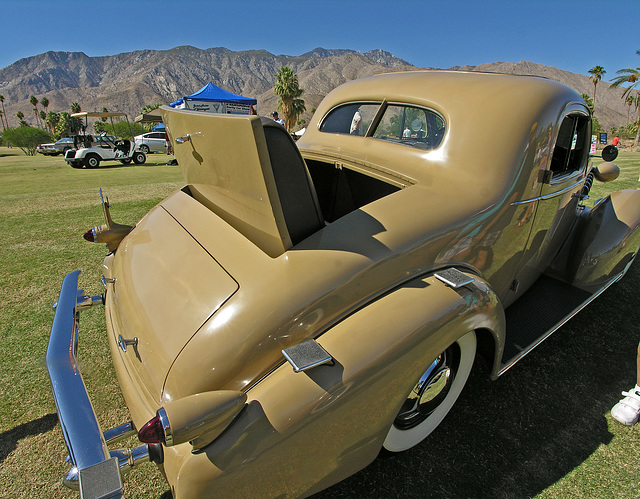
[[627, 410]]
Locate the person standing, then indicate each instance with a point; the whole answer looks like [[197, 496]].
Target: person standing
[[275, 117], [355, 123], [627, 410]]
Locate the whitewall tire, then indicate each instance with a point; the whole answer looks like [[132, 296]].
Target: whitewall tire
[[433, 395]]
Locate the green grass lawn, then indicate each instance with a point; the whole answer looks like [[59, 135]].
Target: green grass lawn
[[543, 428]]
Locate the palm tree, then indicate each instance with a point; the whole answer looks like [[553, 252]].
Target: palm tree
[[297, 108], [45, 104], [629, 101], [34, 102], [631, 76], [596, 75], [20, 116], [288, 90], [76, 123], [43, 117], [4, 112], [52, 120]]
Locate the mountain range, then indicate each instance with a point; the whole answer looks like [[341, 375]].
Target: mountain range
[[128, 81]]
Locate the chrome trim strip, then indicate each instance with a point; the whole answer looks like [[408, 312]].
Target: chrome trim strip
[[166, 427], [80, 427], [572, 314], [547, 196]]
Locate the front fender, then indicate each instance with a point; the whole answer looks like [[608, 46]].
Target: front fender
[[302, 432], [607, 241]]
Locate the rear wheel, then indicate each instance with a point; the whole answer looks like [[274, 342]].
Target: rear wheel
[[139, 157], [125, 161], [92, 161], [433, 395]]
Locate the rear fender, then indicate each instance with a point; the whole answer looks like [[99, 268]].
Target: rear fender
[[319, 426], [606, 241]]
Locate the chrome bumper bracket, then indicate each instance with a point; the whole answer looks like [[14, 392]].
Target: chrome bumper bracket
[[101, 480]]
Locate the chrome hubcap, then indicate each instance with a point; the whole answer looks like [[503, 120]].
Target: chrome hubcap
[[430, 391]]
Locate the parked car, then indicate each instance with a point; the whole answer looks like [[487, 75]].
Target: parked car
[[151, 142], [294, 309], [91, 151], [58, 147]]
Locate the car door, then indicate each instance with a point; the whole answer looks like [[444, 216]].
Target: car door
[[557, 203], [158, 141]]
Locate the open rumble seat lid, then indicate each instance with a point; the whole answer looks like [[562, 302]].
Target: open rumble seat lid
[[248, 171]]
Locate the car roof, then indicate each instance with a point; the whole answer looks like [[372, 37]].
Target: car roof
[[490, 120]]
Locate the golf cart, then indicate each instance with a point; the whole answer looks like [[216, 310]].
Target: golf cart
[[103, 147]]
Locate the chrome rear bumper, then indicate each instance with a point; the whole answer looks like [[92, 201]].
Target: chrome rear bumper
[[97, 468]]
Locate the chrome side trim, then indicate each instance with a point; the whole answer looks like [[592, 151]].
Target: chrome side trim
[[80, 428], [547, 196]]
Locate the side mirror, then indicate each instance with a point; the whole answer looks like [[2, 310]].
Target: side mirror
[[610, 153], [606, 172]]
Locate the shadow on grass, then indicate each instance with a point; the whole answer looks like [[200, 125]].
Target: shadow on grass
[[519, 435], [9, 439]]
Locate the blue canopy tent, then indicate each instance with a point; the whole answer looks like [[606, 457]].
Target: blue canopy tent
[[158, 128], [211, 98]]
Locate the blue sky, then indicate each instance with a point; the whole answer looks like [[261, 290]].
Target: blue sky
[[568, 34]]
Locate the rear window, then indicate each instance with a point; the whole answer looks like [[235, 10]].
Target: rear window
[[352, 119], [410, 126], [398, 123]]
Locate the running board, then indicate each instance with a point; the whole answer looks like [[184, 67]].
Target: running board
[[541, 311]]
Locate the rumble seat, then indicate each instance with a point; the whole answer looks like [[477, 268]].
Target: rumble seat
[[295, 188], [248, 171]]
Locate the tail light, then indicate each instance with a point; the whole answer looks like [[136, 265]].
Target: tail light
[[154, 432], [198, 419]]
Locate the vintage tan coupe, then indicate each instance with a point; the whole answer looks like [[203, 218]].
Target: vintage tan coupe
[[296, 308]]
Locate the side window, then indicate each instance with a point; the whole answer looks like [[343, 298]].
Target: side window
[[411, 126], [572, 145], [352, 119]]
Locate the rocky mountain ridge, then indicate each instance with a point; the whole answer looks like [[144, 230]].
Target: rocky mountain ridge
[[128, 81]]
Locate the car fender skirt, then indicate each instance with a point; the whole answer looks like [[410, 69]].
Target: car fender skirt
[[606, 242], [313, 428]]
